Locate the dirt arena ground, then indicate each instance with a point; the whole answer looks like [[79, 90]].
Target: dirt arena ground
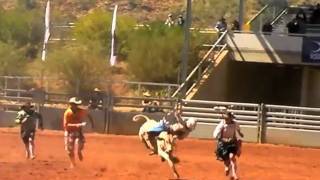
[[124, 158]]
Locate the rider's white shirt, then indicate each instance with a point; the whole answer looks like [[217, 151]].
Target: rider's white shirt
[[229, 130]]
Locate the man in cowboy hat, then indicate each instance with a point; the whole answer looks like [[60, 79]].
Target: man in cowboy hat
[[72, 124], [146, 102], [28, 119]]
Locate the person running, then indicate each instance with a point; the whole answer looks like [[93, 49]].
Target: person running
[[228, 144], [73, 123], [29, 119]]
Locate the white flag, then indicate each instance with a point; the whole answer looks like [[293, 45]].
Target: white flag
[[113, 57], [47, 31]]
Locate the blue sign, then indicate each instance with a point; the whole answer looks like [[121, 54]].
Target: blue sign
[[311, 50]]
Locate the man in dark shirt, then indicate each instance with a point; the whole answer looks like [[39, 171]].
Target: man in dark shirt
[[293, 26], [29, 119]]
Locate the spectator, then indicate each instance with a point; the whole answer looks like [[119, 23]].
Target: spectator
[[301, 16], [146, 102], [267, 27], [169, 22], [293, 26], [221, 25], [149, 105], [96, 99], [180, 21], [235, 26], [315, 17]]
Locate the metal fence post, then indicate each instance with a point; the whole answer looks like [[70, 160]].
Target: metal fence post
[[260, 23], [5, 85], [139, 89], [105, 109], [168, 94], [108, 113], [19, 86], [261, 123]]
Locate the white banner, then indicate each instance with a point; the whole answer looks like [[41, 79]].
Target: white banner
[[113, 57], [47, 31]]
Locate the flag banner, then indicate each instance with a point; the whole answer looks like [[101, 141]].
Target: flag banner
[[47, 31], [113, 56]]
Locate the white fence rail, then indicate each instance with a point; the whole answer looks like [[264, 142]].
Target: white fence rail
[[260, 123]]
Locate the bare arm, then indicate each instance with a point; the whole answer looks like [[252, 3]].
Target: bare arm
[[217, 130], [76, 124], [239, 131]]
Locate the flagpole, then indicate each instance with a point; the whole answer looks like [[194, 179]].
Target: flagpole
[[112, 62], [185, 50]]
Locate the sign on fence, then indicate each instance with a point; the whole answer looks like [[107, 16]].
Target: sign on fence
[[311, 50]]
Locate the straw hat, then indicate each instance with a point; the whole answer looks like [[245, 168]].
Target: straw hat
[[75, 100], [96, 89]]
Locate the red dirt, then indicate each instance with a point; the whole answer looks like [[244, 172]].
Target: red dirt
[[124, 157]]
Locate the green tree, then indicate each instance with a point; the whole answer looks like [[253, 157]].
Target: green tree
[[12, 61], [94, 30], [23, 29], [78, 66], [155, 53]]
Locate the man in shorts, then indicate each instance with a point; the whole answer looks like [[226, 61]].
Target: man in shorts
[[229, 144], [29, 119], [73, 123]]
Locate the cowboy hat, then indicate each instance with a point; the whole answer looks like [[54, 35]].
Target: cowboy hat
[[96, 89], [146, 94], [75, 100]]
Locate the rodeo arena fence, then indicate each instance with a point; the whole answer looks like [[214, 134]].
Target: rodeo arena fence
[[261, 123]]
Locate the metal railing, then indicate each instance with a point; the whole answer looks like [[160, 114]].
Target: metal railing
[[21, 86], [261, 123], [266, 15], [289, 117], [203, 66], [136, 102], [279, 16], [257, 14], [246, 113]]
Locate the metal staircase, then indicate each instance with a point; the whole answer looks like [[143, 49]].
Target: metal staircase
[[203, 69]]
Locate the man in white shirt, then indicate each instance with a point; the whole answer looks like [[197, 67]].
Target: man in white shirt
[[228, 144], [169, 22]]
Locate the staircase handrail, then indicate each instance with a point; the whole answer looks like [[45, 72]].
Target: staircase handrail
[[276, 19], [219, 40], [258, 14]]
